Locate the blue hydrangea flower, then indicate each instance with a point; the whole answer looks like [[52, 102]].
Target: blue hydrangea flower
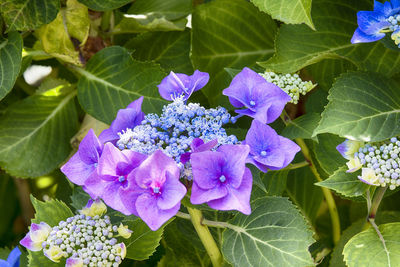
[[371, 24], [259, 99], [182, 85], [12, 259]]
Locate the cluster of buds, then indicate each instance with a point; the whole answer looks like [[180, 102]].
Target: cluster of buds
[[379, 161], [84, 240], [290, 83]]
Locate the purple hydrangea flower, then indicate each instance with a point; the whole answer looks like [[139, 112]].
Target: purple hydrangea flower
[[179, 84], [129, 117], [36, 236], [84, 163], [268, 150], [260, 99], [154, 191], [221, 179], [198, 145], [114, 167], [12, 259]]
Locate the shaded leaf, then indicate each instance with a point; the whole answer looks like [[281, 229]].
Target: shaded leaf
[[362, 106], [112, 80], [329, 159], [274, 234], [288, 11], [275, 182], [301, 127], [10, 61], [101, 5]]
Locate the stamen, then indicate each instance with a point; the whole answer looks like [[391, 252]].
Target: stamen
[[222, 178], [156, 190], [263, 153], [121, 178]]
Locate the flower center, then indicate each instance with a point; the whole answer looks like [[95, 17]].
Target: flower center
[[121, 179], [95, 165], [263, 153], [222, 178], [156, 190], [252, 103]]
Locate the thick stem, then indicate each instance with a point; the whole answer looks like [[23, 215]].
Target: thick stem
[[205, 237], [376, 202], [297, 165]]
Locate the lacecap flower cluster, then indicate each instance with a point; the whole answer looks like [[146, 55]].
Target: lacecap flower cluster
[[380, 161], [144, 164], [86, 239], [372, 25]]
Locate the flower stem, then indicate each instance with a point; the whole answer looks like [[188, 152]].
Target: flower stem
[[376, 202], [205, 237], [297, 165]]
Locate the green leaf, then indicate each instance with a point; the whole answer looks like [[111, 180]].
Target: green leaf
[[274, 234], [8, 205], [10, 61], [302, 191], [329, 159], [143, 241], [229, 34], [36, 132], [362, 106], [169, 49], [112, 80], [275, 182], [367, 249], [55, 37], [39, 259], [346, 184], [256, 173], [155, 15], [101, 5], [79, 198], [23, 15], [51, 212], [288, 11], [301, 127], [298, 46]]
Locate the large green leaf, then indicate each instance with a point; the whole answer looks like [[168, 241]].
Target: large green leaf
[[155, 15], [275, 182], [367, 249], [362, 106], [50, 212], [101, 5], [298, 46], [36, 132], [328, 158], [23, 15], [346, 184], [169, 49], [275, 234], [10, 61], [112, 80], [229, 33], [301, 127], [143, 241], [288, 11]]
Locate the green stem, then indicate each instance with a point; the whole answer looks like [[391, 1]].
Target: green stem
[[34, 53], [297, 165], [207, 222], [378, 196], [205, 237]]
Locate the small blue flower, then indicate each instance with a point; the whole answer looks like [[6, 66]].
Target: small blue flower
[[13, 259]]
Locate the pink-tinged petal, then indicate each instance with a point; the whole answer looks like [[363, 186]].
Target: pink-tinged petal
[[172, 192], [74, 262], [76, 170], [207, 168], [236, 199], [148, 211], [205, 146], [235, 162], [134, 158], [29, 244], [200, 196], [109, 161], [153, 169], [94, 185], [111, 196]]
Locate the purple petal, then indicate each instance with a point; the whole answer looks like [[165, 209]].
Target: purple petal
[[259, 165], [200, 196], [236, 199], [371, 22], [198, 80], [76, 170], [111, 159], [108, 136], [173, 86], [94, 185], [261, 137], [29, 244], [90, 148], [13, 257], [207, 168], [74, 262], [130, 194], [172, 192], [111, 196], [361, 37], [235, 158], [290, 149], [342, 148], [148, 211]]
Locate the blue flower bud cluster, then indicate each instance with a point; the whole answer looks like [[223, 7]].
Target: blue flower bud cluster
[[290, 83], [87, 238], [395, 28], [174, 130], [384, 159]]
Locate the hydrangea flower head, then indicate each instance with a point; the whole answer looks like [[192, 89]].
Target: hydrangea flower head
[[54, 253], [221, 179], [12, 259], [83, 164], [36, 236], [268, 150], [261, 100], [129, 117], [181, 85], [198, 145], [112, 178], [348, 148], [154, 192]]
